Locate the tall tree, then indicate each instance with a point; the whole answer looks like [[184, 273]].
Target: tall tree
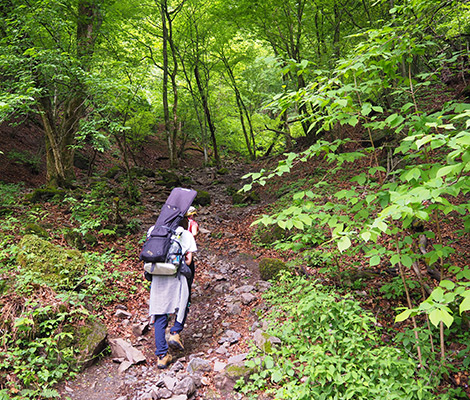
[[53, 43]]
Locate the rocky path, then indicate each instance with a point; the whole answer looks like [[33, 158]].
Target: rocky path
[[220, 326]]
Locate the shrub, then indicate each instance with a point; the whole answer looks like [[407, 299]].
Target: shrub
[[330, 348]]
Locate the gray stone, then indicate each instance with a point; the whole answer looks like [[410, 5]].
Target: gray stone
[[123, 349], [247, 298], [140, 329], [199, 364], [222, 287], [125, 365], [220, 381], [186, 387], [234, 309], [230, 336], [177, 366], [121, 314], [163, 393], [237, 359], [245, 289], [222, 350], [219, 366], [170, 382]]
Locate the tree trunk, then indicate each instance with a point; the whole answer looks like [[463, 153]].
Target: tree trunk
[[61, 123], [166, 110], [207, 113], [250, 140]]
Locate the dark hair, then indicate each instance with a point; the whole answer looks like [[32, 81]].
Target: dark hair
[[184, 223]]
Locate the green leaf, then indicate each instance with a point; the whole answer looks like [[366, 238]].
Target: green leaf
[[276, 376], [395, 259], [247, 187], [440, 315], [403, 315], [465, 305], [447, 284], [344, 243], [269, 362], [406, 260], [366, 109], [366, 236], [298, 224], [375, 260]]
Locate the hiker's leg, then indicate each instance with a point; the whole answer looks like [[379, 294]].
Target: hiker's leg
[[178, 326], [160, 324]]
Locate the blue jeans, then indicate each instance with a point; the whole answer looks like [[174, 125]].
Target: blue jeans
[[160, 325]]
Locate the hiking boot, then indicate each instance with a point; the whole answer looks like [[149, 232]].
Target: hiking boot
[[164, 360], [175, 342]]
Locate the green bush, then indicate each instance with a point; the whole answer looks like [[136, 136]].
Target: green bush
[[330, 349]]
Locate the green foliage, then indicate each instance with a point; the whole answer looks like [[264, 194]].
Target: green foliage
[[329, 348], [381, 88], [395, 289], [9, 194], [34, 350], [32, 161], [93, 209]]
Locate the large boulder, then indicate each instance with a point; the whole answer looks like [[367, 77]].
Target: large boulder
[[55, 266], [90, 341]]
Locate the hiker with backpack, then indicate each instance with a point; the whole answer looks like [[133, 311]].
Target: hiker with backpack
[[169, 294], [168, 265]]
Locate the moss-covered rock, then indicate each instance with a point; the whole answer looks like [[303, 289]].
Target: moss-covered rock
[[140, 172], [74, 239], [39, 195], [202, 199], [57, 266], [223, 171], [236, 371], [88, 339], [90, 342], [112, 172], [245, 198], [269, 268], [90, 239], [36, 229], [168, 179], [267, 235]]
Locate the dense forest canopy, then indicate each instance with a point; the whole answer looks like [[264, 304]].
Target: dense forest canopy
[[95, 71], [381, 86]]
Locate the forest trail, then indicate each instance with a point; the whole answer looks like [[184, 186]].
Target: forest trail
[[226, 292]]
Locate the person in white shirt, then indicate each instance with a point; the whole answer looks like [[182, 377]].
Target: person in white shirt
[[169, 294]]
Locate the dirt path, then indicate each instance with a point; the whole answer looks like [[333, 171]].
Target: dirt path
[[226, 291]]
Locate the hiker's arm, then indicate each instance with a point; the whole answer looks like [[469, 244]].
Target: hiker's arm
[[188, 257]]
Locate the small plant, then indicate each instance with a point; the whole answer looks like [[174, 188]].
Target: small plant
[[36, 354], [9, 194], [32, 161], [395, 289]]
